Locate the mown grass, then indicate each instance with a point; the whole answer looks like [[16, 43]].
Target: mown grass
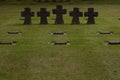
[[34, 58]]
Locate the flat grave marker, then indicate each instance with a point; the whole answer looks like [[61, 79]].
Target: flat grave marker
[[8, 43], [14, 32], [58, 33], [112, 42], [60, 42], [104, 32]]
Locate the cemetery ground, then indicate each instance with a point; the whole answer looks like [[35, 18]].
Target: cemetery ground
[[33, 57]]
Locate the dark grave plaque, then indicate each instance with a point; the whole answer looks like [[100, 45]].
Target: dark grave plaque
[[58, 33], [91, 14], [43, 14], [8, 43], [27, 14], [107, 32], [60, 42], [59, 11], [75, 14], [112, 42], [14, 32]]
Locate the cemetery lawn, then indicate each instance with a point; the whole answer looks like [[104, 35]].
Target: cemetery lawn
[[34, 58]]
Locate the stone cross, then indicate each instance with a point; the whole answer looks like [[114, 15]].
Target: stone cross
[[53, 0], [37, 0], [91, 14], [46, 0], [76, 14], [59, 11], [60, 0], [68, 0], [27, 14], [43, 14]]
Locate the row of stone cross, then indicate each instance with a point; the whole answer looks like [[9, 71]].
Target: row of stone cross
[[51, 0], [44, 0], [59, 11]]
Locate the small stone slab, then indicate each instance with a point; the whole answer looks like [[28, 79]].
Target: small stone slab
[[107, 32], [14, 32], [113, 42], [60, 42], [8, 43], [58, 33]]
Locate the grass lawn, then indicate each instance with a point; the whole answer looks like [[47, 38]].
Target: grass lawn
[[34, 58]]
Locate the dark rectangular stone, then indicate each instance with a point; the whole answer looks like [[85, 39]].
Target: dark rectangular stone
[[14, 32], [7, 43], [60, 42], [59, 33], [105, 32], [113, 42]]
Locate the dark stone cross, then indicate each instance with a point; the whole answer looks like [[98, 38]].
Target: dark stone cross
[[76, 14], [91, 14], [39, 0], [27, 14], [60, 0], [43, 14], [59, 11], [53, 0], [46, 0], [68, 0]]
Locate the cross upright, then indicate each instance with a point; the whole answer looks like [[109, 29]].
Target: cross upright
[[91, 14], [43, 14], [59, 11], [76, 14], [46, 0], [60, 0], [68, 0], [27, 14], [53, 0], [39, 0]]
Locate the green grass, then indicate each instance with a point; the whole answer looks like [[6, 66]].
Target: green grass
[[34, 58]]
